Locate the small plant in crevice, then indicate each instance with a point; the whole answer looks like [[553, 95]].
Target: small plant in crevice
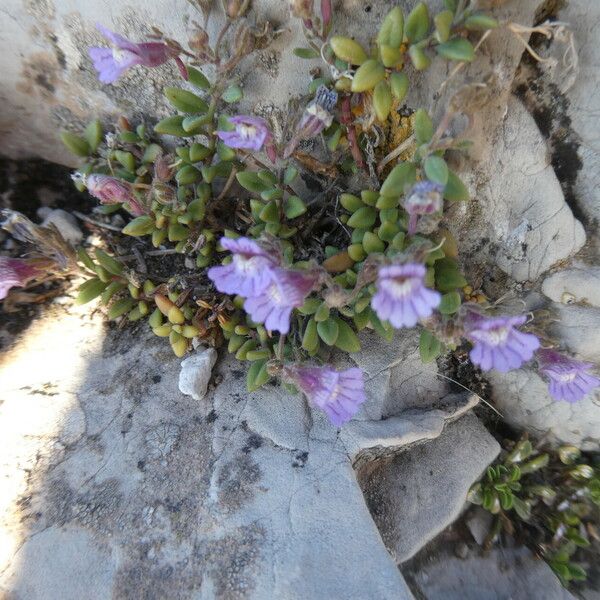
[[228, 197], [550, 499]]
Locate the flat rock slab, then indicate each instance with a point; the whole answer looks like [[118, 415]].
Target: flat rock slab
[[417, 494], [121, 486]]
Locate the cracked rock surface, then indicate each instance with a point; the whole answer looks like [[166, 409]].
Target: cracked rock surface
[[119, 485]]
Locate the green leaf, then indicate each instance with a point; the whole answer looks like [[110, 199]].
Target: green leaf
[[480, 22], [429, 346], [139, 226], [233, 94], [270, 213], [151, 153], [84, 257], [126, 159], [251, 181], [523, 509], [120, 307], [93, 134], [363, 218], [436, 169], [322, 313], [347, 340], [457, 49], [450, 303], [350, 202], [399, 84], [577, 572], [423, 126], [171, 126], [328, 331], [385, 331], [391, 31], [400, 177], [417, 23], [111, 289], [310, 339], [372, 243], [443, 25], [194, 125], [89, 290], [419, 58], [257, 375], [75, 144], [290, 175], [188, 175], [539, 462], [348, 50], [108, 262], [199, 152], [448, 276], [185, 101], [307, 53], [382, 100], [197, 78], [368, 75], [310, 306], [293, 207]]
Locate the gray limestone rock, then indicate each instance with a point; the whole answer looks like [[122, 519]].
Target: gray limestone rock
[[579, 284], [66, 224], [196, 372], [579, 328], [416, 494]]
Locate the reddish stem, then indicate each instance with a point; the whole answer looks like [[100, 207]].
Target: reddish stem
[[352, 139]]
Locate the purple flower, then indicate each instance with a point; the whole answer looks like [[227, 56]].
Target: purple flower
[[249, 273], [111, 63], [424, 198], [110, 190], [568, 378], [338, 393], [15, 272], [250, 133], [317, 116], [401, 297], [497, 344], [285, 291]]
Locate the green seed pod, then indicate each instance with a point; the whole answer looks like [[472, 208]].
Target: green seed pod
[[293, 207], [120, 307], [156, 319], [391, 57], [177, 232], [90, 289], [179, 344], [399, 85], [457, 49], [322, 313], [417, 23], [189, 331], [185, 101], [171, 126], [391, 32], [328, 331], [134, 291], [158, 237], [258, 354], [436, 169], [382, 100], [139, 226], [162, 330], [363, 218], [400, 177], [443, 25], [368, 76], [75, 144], [348, 50], [420, 60], [356, 252], [244, 349], [351, 203], [310, 339], [371, 243], [387, 231], [480, 22]]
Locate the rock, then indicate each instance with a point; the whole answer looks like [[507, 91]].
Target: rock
[[418, 493], [65, 222], [196, 372], [479, 523], [503, 573], [523, 399], [578, 284], [579, 328]]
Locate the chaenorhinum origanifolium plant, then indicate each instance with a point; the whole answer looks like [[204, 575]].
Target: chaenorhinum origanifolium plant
[[276, 299]]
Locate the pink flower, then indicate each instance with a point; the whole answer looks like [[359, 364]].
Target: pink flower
[[250, 133], [249, 273], [285, 291], [338, 393], [112, 63], [401, 297], [568, 378], [110, 190], [424, 198], [15, 272], [497, 344]]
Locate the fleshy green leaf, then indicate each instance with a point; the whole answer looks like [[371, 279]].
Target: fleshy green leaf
[[429, 346], [436, 169], [328, 331], [347, 340]]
